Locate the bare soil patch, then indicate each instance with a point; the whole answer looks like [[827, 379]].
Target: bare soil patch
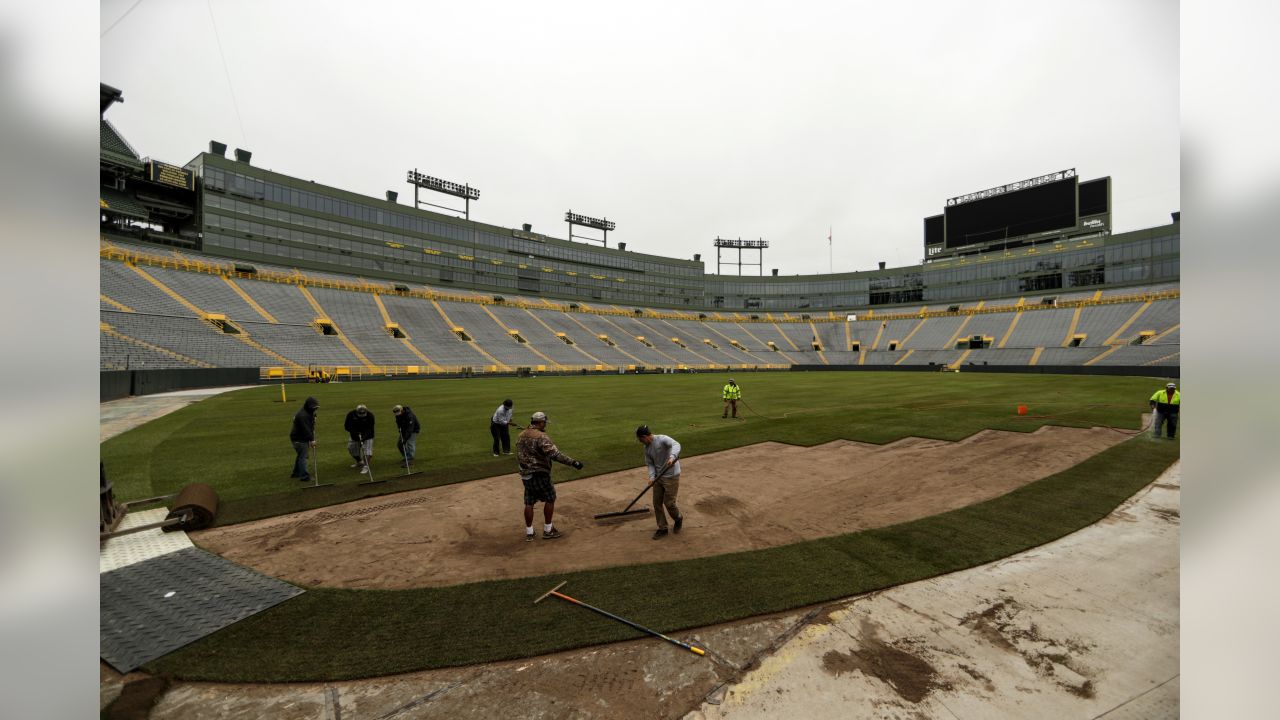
[[748, 498]]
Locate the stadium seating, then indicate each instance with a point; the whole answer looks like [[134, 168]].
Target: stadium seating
[[170, 310]]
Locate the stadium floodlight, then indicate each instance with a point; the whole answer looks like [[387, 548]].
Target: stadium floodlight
[[597, 223], [604, 224], [426, 182], [739, 244], [1011, 187]]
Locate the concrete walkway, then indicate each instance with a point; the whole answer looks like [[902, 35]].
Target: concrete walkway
[[1084, 627], [118, 416]]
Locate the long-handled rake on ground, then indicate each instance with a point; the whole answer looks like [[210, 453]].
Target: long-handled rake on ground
[[405, 462], [368, 466], [553, 592], [315, 473], [627, 511]]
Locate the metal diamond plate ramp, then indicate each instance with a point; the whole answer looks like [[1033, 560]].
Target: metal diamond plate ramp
[[151, 608]]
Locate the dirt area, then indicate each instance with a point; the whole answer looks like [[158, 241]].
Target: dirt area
[[743, 499]]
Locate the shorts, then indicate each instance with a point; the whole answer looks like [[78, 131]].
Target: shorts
[[538, 488]]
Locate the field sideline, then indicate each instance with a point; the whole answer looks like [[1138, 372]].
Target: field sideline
[[238, 442]]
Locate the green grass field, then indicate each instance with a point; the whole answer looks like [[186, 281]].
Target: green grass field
[[238, 442]]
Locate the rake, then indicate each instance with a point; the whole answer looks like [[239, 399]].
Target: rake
[[554, 592], [627, 510]]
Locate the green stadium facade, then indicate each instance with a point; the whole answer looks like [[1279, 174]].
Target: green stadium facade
[[233, 209]]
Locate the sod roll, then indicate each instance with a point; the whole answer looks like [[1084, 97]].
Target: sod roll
[[197, 500]]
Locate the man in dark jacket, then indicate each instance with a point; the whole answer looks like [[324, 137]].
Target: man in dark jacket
[[408, 426], [303, 436], [359, 426]]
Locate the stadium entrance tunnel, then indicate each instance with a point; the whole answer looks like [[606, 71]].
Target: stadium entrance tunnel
[[393, 329], [220, 321], [325, 326]]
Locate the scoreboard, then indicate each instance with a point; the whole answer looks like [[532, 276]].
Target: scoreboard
[[1050, 206]]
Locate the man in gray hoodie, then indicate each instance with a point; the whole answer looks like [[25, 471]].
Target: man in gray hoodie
[[303, 437], [662, 457]]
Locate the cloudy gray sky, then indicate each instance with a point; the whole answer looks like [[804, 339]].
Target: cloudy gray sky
[[680, 121]]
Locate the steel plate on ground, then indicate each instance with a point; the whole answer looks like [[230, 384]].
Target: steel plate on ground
[[151, 608]]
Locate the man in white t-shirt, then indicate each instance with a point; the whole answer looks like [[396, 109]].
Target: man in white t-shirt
[[499, 423]]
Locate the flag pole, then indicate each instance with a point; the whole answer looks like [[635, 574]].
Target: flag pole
[[830, 257]]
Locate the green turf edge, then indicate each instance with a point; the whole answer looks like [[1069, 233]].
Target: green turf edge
[[328, 634]]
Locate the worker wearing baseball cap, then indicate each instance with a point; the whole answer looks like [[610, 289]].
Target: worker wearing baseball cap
[[731, 394], [534, 453], [1164, 403]]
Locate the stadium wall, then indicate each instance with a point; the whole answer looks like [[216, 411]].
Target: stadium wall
[[116, 384]]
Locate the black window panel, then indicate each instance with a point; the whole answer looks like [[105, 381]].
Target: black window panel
[[1094, 196], [1045, 207]]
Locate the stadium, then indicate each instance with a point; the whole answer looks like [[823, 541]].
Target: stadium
[[895, 426]]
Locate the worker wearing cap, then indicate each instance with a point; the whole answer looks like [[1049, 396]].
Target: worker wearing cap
[[662, 457], [359, 427], [499, 424], [534, 453], [731, 394], [408, 427], [1165, 405]]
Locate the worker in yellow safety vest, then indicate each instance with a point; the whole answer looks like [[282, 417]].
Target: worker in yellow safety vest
[[732, 393], [1164, 403]]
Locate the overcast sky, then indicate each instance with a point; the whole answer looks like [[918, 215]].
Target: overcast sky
[[679, 121]]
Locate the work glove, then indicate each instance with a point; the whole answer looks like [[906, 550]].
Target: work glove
[[577, 464]]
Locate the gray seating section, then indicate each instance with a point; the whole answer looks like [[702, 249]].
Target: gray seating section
[[165, 322], [208, 292], [431, 335], [356, 315], [1041, 328], [1136, 354], [1099, 322], [189, 336], [992, 325], [490, 335], [935, 333], [302, 344], [533, 327], [285, 302], [118, 354], [1069, 355], [122, 284]]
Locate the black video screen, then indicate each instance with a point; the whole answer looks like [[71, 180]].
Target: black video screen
[[1094, 196], [1039, 209], [933, 230]]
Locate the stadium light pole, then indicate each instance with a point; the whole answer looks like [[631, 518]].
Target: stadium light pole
[[426, 182], [604, 224], [739, 244]]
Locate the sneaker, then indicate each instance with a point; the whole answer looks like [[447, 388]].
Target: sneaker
[[506, 453], [306, 478], [364, 469], [659, 533], [528, 537], [495, 454], [355, 464], [555, 533], [678, 525]]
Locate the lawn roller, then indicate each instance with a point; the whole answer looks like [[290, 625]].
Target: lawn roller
[[194, 508], [554, 592]]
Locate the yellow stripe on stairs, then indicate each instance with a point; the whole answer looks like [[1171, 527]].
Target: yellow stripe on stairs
[[115, 303], [961, 359], [527, 343], [166, 290], [919, 325], [252, 303], [1071, 331], [106, 328], [474, 344], [1162, 359], [952, 342], [1035, 356], [688, 346], [244, 338], [876, 343], [1105, 353], [818, 340], [784, 337], [1008, 333], [386, 318], [552, 330], [315, 304], [1136, 314], [904, 357], [622, 332], [763, 345], [1161, 335]]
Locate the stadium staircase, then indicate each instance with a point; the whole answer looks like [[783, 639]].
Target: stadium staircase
[[180, 359]]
